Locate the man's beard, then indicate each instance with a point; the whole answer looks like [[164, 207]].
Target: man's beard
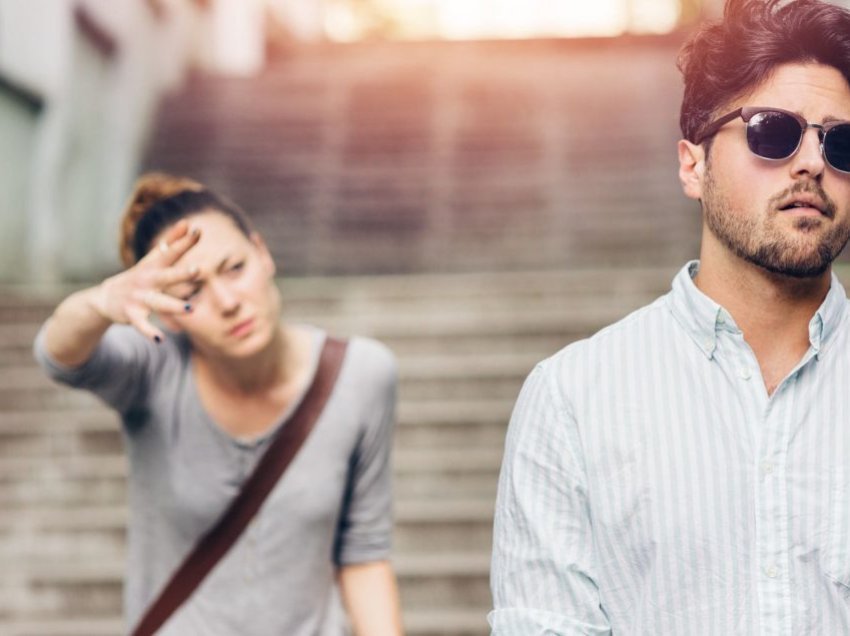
[[762, 242]]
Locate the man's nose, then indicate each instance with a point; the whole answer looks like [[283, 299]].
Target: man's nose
[[809, 158]]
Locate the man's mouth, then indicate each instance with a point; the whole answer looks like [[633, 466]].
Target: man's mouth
[[806, 206]]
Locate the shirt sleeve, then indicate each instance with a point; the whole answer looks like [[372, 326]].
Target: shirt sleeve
[[116, 372], [542, 574], [366, 523]]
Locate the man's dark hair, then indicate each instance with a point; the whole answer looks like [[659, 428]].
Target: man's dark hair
[[724, 60]]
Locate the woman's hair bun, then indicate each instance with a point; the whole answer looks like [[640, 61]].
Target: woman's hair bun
[[149, 189]]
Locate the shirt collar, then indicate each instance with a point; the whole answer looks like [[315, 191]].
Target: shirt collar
[[829, 315], [703, 318], [695, 311]]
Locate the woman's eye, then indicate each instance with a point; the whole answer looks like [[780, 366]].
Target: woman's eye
[[238, 266], [191, 294]]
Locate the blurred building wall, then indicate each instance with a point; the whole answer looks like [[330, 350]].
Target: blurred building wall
[[80, 82], [79, 85], [304, 19], [233, 42]]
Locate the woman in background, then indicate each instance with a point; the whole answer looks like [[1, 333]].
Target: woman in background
[[201, 400]]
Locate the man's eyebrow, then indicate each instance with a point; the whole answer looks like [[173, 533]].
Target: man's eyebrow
[[830, 119]]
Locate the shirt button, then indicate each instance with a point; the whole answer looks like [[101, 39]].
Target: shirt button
[[767, 467], [771, 571], [745, 373]]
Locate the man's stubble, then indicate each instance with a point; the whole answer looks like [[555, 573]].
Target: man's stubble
[[761, 240]]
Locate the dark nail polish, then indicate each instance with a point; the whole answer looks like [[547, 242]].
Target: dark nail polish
[[158, 339], [187, 307]]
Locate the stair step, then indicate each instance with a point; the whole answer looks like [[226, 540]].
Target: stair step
[[593, 280], [88, 588], [455, 460], [96, 430], [62, 492], [70, 467], [66, 626], [20, 495], [98, 419], [433, 622], [456, 580], [447, 622], [465, 344], [421, 527], [68, 481], [412, 416], [423, 367], [109, 517]]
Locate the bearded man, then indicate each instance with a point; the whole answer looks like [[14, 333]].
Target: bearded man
[[687, 469]]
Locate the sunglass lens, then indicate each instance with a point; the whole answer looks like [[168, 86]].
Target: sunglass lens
[[773, 135], [837, 147]]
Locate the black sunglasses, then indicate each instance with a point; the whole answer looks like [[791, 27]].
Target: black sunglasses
[[773, 133]]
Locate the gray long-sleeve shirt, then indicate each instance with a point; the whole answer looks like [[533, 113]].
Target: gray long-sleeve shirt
[[332, 507]]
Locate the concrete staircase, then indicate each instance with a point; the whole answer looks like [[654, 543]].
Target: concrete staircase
[[465, 342], [387, 158]]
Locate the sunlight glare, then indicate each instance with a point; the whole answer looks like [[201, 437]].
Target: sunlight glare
[[484, 19], [462, 19]]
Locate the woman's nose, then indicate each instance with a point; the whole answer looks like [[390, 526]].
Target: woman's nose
[[224, 297]]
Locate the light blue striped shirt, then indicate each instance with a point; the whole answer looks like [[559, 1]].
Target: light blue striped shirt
[[651, 486]]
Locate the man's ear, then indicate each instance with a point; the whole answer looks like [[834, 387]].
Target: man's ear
[[265, 256], [691, 168]]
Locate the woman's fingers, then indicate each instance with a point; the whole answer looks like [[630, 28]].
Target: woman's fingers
[[157, 274], [162, 303], [176, 231], [173, 244], [173, 249], [174, 276], [146, 302], [157, 252], [138, 318]]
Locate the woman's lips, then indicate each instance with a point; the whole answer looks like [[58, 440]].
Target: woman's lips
[[242, 328]]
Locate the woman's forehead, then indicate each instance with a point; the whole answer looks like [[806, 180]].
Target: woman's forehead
[[220, 239]]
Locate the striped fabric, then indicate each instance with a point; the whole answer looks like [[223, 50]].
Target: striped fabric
[[651, 486]]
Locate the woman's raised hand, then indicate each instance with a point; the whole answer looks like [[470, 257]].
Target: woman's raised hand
[[130, 297]]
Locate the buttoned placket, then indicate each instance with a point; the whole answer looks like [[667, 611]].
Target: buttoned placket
[[770, 497], [772, 513], [767, 421], [772, 516]]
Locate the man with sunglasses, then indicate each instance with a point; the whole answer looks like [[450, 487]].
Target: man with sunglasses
[[687, 470]]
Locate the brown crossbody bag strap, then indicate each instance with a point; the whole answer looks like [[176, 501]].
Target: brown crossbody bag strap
[[219, 539]]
